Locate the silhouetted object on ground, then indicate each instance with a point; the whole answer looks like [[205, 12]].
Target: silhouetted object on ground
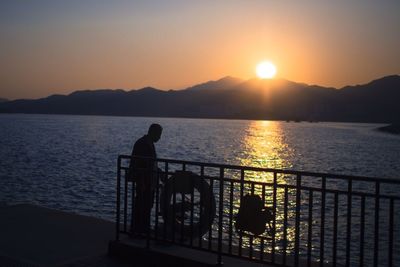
[[143, 172], [184, 184], [231, 98], [393, 128], [253, 217]]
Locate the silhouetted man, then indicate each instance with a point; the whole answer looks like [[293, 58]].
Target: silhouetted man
[[143, 172]]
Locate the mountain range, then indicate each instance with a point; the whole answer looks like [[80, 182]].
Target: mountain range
[[232, 98]]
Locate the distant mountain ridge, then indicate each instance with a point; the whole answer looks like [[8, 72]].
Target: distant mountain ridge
[[232, 98], [224, 83], [3, 99]]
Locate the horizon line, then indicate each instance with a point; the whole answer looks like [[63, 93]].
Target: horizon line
[[196, 84]]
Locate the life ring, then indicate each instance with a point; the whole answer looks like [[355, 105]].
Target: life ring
[[185, 182]]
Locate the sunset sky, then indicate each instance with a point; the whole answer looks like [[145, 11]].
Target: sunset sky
[[52, 46]]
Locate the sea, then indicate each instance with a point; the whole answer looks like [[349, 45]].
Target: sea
[[69, 162]]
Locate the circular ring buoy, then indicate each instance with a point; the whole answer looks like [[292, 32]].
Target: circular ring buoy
[[185, 183]]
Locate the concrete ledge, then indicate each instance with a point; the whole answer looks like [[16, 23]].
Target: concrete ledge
[[160, 255], [165, 254]]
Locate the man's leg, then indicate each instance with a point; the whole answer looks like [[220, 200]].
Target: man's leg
[[148, 205], [138, 214]]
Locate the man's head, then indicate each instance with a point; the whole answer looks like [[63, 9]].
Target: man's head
[[154, 132]]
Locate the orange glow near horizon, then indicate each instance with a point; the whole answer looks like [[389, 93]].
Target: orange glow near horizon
[[175, 44]]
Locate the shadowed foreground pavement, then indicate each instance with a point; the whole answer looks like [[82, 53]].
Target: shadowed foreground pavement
[[37, 236], [32, 236]]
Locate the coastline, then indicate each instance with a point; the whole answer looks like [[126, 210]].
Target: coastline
[[294, 121], [393, 128]]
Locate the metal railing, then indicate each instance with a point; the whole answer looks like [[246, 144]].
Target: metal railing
[[318, 219]]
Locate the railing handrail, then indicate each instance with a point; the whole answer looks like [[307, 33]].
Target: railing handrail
[[283, 171]]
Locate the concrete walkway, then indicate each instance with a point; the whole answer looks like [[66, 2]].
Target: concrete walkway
[[37, 236], [32, 236]]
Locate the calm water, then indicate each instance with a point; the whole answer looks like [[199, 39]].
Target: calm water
[[69, 162]]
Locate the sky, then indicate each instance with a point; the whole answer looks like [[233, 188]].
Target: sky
[[57, 47]]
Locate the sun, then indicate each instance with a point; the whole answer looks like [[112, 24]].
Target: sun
[[266, 70]]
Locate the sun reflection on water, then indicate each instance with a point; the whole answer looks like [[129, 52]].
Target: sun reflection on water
[[265, 147]]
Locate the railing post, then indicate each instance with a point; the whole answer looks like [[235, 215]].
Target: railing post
[[322, 238], [335, 228], [310, 222], [191, 210], [173, 209], [182, 211], [362, 231], [297, 226], [165, 204], [201, 204], [118, 198], [285, 223], [220, 214], [230, 217], [391, 232], [210, 230], [157, 204], [241, 197], [125, 202], [275, 187], [251, 236], [262, 239], [348, 226], [376, 235]]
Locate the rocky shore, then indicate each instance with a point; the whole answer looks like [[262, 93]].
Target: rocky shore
[[393, 128]]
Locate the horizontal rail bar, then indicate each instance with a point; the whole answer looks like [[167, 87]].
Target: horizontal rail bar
[[290, 186], [283, 171]]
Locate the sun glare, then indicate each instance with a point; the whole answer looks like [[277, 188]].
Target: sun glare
[[266, 70]]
